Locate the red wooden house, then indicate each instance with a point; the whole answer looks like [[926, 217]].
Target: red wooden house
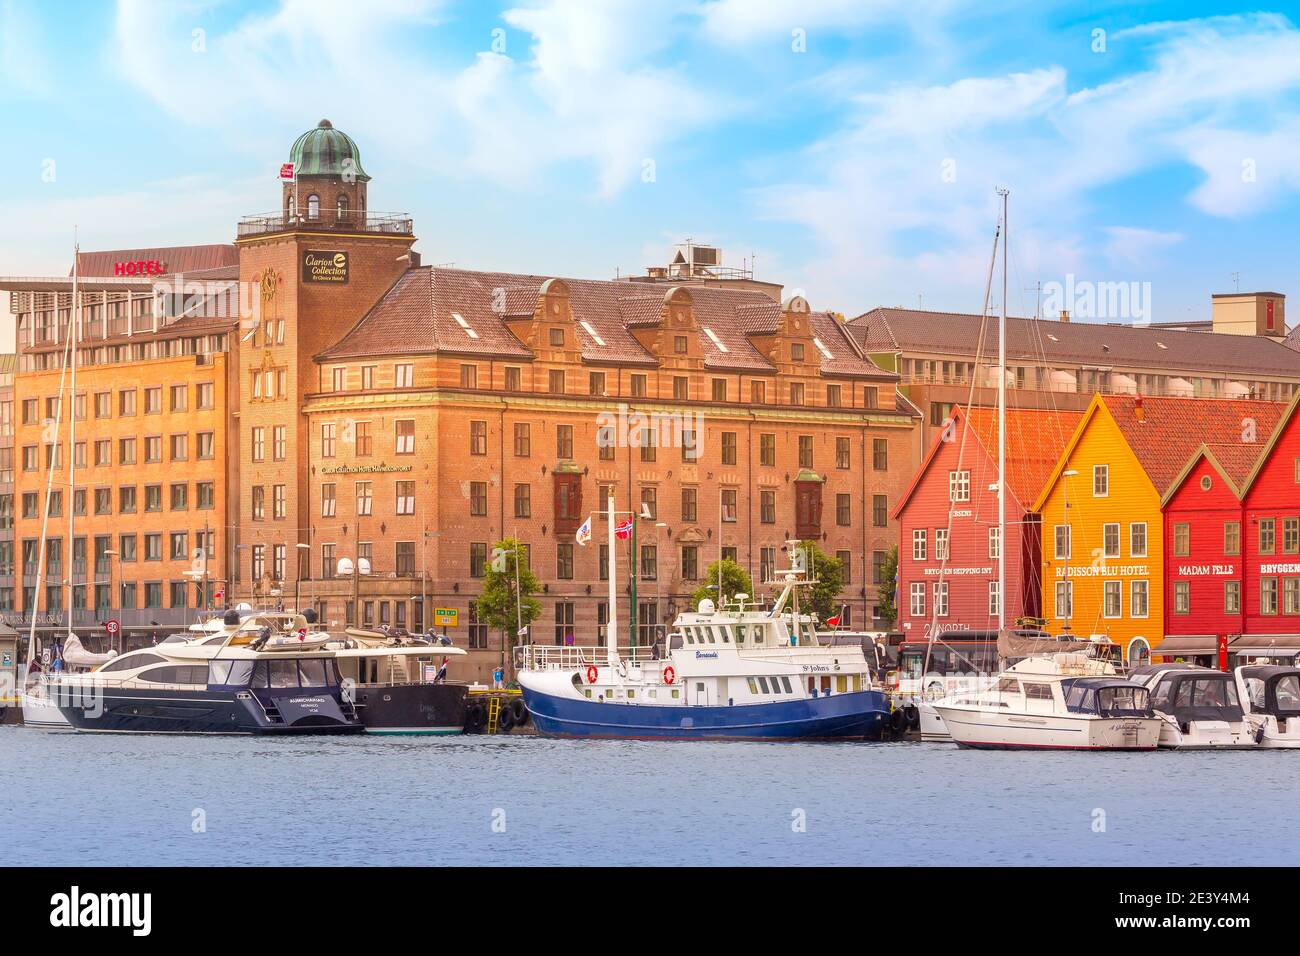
[[947, 519]]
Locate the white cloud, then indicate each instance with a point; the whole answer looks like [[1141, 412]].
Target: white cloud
[[1131, 248]]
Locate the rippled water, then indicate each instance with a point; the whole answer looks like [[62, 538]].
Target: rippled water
[[87, 800]]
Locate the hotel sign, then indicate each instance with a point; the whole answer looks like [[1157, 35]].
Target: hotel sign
[[380, 469], [329, 267], [1104, 571], [140, 267]]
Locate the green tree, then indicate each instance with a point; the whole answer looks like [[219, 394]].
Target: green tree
[[499, 606], [735, 580], [829, 574], [887, 590]]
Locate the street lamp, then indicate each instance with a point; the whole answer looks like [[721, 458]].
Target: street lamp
[[1069, 543], [297, 584], [108, 569]]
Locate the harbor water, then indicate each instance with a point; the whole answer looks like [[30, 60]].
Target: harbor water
[[82, 800]]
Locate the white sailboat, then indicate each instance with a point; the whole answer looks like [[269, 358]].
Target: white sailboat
[[39, 709]]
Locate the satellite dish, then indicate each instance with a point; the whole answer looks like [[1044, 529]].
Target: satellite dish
[[363, 565], [345, 567]]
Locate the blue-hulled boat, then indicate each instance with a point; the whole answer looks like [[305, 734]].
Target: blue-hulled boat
[[741, 672]]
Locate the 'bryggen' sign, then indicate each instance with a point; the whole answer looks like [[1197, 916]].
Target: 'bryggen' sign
[[320, 266]]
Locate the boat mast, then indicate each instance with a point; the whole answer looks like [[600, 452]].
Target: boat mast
[[611, 622], [1002, 430], [71, 503]]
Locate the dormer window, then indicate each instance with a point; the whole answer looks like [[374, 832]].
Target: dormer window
[[796, 352], [557, 338]]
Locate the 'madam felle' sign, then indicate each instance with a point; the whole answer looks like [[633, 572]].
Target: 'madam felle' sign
[[318, 266]]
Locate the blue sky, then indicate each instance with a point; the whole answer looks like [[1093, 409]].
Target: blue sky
[[852, 147]]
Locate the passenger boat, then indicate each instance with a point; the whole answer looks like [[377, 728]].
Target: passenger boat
[[1199, 707], [1270, 702], [390, 687], [214, 684], [738, 672], [1062, 701]]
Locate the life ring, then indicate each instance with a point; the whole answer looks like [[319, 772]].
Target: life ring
[[670, 675], [592, 674]]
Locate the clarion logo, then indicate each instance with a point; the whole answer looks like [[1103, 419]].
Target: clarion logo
[[73, 909]]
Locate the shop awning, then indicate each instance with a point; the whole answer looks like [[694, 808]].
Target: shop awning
[[1266, 644], [1187, 646]]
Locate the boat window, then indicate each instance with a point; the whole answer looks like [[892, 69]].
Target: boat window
[[756, 632], [234, 673], [753, 685], [723, 632], [911, 664], [675, 642], [740, 633], [128, 661], [1160, 696], [176, 674], [1080, 699], [1112, 700], [690, 636], [1008, 685], [1038, 691], [1255, 692], [261, 674], [220, 639], [762, 682], [1207, 693], [785, 681], [1288, 692], [311, 673]]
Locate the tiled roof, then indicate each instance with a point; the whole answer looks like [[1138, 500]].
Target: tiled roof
[[1169, 430], [175, 259], [434, 309], [1035, 440], [1080, 343]]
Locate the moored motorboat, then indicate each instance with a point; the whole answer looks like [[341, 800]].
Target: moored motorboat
[[1270, 702], [1199, 707], [40, 710], [387, 677], [1065, 701]]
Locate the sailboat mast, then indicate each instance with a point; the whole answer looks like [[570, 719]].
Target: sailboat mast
[[611, 619], [71, 503], [1002, 430]]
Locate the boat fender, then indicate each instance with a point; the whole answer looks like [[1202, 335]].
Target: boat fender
[[518, 712], [913, 716], [1259, 734], [898, 721], [670, 675], [592, 673]]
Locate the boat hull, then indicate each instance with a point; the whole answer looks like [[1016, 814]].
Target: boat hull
[[933, 729], [862, 715], [41, 713], [1205, 735], [146, 711], [433, 709], [981, 730]]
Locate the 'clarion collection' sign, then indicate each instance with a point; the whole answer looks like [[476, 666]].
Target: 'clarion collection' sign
[[318, 266]]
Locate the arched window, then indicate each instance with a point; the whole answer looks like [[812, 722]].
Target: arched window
[[1139, 651], [342, 207], [313, 206], [291, 207]]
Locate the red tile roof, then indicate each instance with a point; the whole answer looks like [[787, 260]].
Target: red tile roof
[[1035, 440], [1167, 431]]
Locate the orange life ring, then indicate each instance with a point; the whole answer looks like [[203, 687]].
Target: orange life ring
[[592, 674], [670, 675]]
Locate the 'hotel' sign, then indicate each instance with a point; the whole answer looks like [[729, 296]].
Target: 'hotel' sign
[[320, 266]]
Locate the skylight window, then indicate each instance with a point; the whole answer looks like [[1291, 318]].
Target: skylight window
[[1052, 337], [460, 320], [822, 348], [715, 340], [1161, 345], [592, 332]]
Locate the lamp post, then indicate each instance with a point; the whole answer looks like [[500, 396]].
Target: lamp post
[[1069, 543], [658, 577], [297, 584], [109, 553]]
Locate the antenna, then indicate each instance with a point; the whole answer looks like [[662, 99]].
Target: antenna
[[1236, 282]]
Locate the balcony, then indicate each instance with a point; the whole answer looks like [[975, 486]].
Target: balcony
[[384, 223]]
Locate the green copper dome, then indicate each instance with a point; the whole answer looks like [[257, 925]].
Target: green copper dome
[[325, 151]]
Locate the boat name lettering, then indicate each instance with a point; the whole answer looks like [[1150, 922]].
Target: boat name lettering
[[700, 654]]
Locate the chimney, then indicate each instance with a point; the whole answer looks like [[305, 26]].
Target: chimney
[[1138, 411], [1065, 316]]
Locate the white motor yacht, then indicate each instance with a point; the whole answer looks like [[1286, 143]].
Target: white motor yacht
[[1199, 707], [1270, 703]]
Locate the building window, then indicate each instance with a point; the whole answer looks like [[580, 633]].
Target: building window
[[339, 378], [689, 504], [681, 388], [1291, 595], [596, 384], [995, 542], [1112, 599], [995, 599], [767, 450], [1064, 599], [941, 598], [758, 393], [1182, 539], [843, 510], [404, 375], [1231, 597], [796, 393], [478, 438], [916, 595], [523, 440], [729, 504], [328, 500], [1137, 539], [477, 559], [959, 486], [469, 376], [208, 445], [690, 562], [1268, 595], [1110, 540], [1290, 535], [767, 506], [405, 436], [648, 444], [728, 447], [564, 560], [638, 385], [1139, 598], [843, 456], [805, 451], [941, 544], [606, 442], [478, 503], [1232, 537], [650, 502], [365, 497], [1182, 597], [919, 544], [279, 443], [880, 455], [328, 436], [523, 501], [1100, 481], [1267, 535], [365, 440], [880, 511], [649, 562], [555, 381], [691, 446], [833, 396], [564, 441], [405, 496], [1062, 551]]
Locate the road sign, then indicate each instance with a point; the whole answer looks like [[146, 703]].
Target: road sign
[[112, 627], [446, 616]]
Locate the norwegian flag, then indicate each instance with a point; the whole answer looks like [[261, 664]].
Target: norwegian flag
[[624, 530]]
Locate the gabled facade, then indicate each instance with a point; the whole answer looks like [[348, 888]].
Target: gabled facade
[[1270, 524]]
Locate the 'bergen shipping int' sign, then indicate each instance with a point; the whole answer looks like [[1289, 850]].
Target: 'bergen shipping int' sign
[[318, 266]]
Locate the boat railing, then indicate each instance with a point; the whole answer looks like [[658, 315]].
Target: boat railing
[[573, 657]]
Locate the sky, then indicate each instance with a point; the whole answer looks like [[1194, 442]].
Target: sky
[[849, 149]]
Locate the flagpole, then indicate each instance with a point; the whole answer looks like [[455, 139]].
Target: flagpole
[[632, 609], [611, 626]]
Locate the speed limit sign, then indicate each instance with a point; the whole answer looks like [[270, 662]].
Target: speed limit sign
[[112, 627]]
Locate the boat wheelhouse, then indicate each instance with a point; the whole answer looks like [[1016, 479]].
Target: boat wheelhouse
[[1270, 702], [1199, 707]]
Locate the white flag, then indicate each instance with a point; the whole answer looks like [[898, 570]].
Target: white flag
[[584, 532]]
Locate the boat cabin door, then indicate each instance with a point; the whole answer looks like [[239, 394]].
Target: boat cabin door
[[700, 693]]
